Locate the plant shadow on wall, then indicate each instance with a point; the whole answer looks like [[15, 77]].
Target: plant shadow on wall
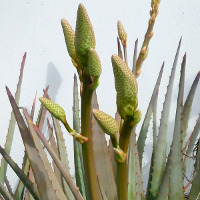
[[104, 172], [53, 79]]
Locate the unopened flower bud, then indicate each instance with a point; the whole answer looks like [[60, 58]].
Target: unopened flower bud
[[126, 87], [69, 38], [122, 33], [56, 110], [84, 34], [94, 64], [106, 122]]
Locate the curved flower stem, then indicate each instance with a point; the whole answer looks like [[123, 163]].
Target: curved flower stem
[[122, 182], [87, 148]]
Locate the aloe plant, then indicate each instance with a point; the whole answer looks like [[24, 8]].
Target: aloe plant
[[104, 171]]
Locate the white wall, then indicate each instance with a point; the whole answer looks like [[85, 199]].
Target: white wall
[[34, 27]]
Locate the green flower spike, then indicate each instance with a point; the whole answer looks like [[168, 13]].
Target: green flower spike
[[122, 33], [84, 35], [119, 155], [126, 87], [69, 38], [93, 68], [106, 122]]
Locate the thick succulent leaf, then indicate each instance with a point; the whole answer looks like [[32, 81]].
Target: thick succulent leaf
[[132, 193], [139, 182], [57, 189], [20, 186], [66, 175], [42, 178], [176, 167], [195, 189], [33, 106], [160, 153], [164, 187], [5, 193], [33, 190], [102, 159], [78, 160], [154, 145], [10, 190], [54, 147], [144, 129], [42, 111], [103, 195], [9, 138], [191, 145], [62, 154], [188, 105]]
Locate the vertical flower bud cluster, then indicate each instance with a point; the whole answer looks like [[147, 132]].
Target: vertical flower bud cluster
[[106, 122], [84, 35], [126, 87], [69, 38]]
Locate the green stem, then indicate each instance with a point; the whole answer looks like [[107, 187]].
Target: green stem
[[122, 181], [87, 148]]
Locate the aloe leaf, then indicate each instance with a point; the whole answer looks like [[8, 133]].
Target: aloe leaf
[[42, 111], [154, 145], [8, 186], [132, 193], [160, 153], [190, 148], [188, 105], [55, 186], [27, 169], [33, 190], [54, 147], [66, 175], [195, 189], [33, 106], [144, 129], [77, 146], [102, 159], [176, 167], [135, 57], [9, 138], [5, 193], [103, 195], [163, 193], [62, 154], [139, 182], [20, 186], [42, 178]]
